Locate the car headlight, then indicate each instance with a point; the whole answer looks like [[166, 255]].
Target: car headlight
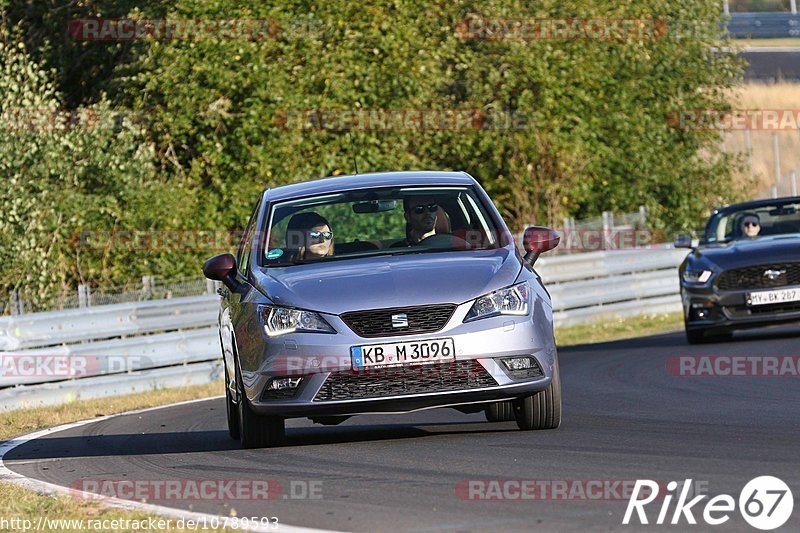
[[509, 301], [282, 320], [696, 276]]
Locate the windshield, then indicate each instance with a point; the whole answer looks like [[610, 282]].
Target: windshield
[[780, 218], [373, 222]]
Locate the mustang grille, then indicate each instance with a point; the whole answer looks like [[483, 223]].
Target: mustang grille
[[378, 322], [404, 380], [754, 277]]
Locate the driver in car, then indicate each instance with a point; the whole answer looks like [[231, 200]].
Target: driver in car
[[420, 215], [750, 225]]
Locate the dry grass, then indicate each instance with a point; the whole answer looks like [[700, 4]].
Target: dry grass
[[618, 329], [22, 509], [788, 41], [22, 504], [21, 421], [768, 97]]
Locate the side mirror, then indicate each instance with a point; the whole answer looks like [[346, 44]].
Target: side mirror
[[222, 268], [685, 241], [538, 240]]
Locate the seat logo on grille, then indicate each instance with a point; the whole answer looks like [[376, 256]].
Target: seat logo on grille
[[773, 274], [400, 320]]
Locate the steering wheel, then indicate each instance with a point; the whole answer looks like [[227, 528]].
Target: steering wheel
[[444, 240]]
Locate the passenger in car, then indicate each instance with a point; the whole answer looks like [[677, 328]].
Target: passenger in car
[[309, 236]]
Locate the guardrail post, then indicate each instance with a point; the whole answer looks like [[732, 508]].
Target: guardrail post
[[726, 7], [210, 288], [16, 304], [83, 295], [643, 215], [776, 153], [794, 7], [608, 223], [147, 287], [748, 146]]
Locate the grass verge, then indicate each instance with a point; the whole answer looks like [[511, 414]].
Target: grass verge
[[25, 510], [22, 509], [24, 421], [618, 329], [788, 41]]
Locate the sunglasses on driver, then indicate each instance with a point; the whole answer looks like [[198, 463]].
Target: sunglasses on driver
[[419, 209]]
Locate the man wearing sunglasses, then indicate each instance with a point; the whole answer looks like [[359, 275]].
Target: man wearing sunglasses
[[420, 213], [750, 225]]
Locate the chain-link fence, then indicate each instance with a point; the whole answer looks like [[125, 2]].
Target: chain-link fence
[[149, 288], [610, 231]]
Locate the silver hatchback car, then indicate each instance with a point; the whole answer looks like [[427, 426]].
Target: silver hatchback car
[[384, 293]]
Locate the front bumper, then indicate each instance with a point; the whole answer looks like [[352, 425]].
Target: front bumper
[[479, 347], [706, 308]]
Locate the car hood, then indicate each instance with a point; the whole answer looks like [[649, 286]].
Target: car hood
[[390, 281], [741, 253]]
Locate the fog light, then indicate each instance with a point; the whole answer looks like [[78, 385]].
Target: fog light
[[284, 383], [518, 363]]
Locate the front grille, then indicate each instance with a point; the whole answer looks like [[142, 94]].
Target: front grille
[[753, 277], [378, 322], [404, 380], [740, 311], [787, 307]]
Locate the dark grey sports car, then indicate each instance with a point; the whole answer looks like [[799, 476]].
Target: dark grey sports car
[[744, 272]]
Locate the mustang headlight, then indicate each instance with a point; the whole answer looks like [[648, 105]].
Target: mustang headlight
[[282, 320], [509, 301], [696, 276]]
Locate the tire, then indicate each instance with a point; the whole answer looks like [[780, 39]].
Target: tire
[[543, 409], [256, 431], [695, 337], [232, 410], [499, 412]]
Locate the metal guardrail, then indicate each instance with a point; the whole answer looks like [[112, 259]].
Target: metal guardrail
[[764, 25], [601, 285], [106, 321], [147, 345], [100, 387]]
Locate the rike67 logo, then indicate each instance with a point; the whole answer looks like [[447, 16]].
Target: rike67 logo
[[765, 503]]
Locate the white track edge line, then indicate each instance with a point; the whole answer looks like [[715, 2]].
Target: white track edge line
[[50, 489]]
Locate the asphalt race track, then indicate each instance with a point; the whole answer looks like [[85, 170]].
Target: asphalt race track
[[770, 66], [625, 417]]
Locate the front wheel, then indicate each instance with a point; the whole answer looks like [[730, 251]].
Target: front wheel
[[232, 410], [499, 412], [257, 431], [543, 409]]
